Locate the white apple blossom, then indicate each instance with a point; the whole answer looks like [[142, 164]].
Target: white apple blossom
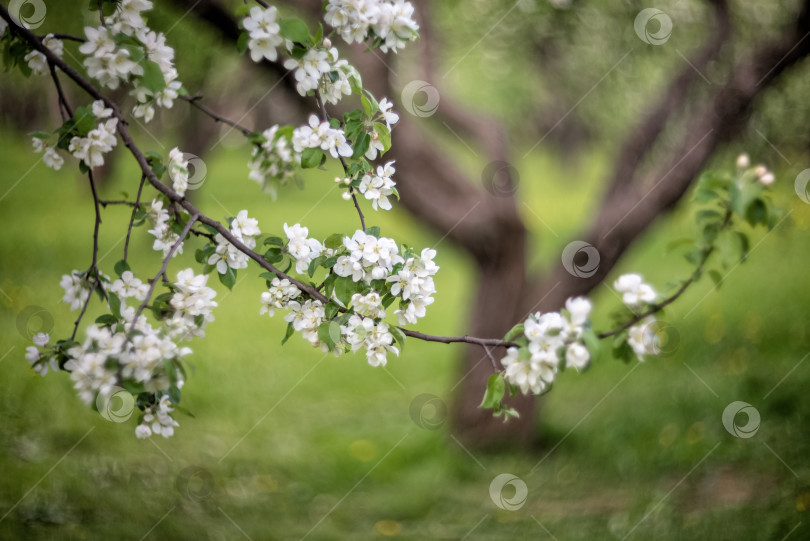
[[377, 188], [178, 171], [390, 116], [321, 135], [390, 23], [99, 141], [300, 247], [634, 291], [128, 286], [280, 293], [272, 163], [37, 61], [306, 318], [76, 289], [264, 33]]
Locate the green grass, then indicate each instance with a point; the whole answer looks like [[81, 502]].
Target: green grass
[[295, 442]]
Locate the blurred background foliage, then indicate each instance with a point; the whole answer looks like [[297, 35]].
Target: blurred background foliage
[[297, 444]]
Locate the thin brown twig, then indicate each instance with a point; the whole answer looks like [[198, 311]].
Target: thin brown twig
[[135, 208], [162, 272], [193, 101]]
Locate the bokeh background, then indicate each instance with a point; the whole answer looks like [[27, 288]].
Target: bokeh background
[[288, 443]]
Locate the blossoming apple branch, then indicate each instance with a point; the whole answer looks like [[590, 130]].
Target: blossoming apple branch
[[363, 274]]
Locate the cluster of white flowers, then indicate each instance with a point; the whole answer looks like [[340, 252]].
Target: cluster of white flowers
[[376, 338], [39, 355], [278, 295], [272, 162], [99, 141], [37, 61], [113, 60], [264, 33], [389, 22], [77, 288], [370, 258], [227, 255], [323, 69], [161, 230], [414, 283], [178, 171], [157, 420], [193, 303], [52, 157], [378, 188], [369, 261], [634, 291], [302, 248], [306, 318], [129, 286], [321, 135], [552, 337]]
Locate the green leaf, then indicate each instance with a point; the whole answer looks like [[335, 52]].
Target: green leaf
[[514, 332], [289, 333], [716, 277], [107, 320], [242, 43], [592, 342], [314, 264], [152, 78], [360, 145], [84, 120], [121, 267], [294, 29], [334, 331], [228, 279], [311, 157], [334, 241], [374, 231], [331, 310], [496, 387], [274, 241], [745, 245], [325, 335], [678, 243], [398, 335], [115, 304], [385, 135], [344, 289]]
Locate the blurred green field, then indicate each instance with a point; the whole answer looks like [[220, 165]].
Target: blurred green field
[[297, 444]]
